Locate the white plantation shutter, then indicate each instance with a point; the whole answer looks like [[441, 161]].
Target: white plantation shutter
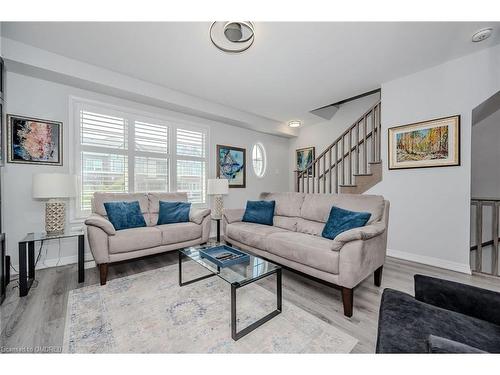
[[191, 163], [122, 152]]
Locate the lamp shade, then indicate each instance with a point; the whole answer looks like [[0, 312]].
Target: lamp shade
[[54, 185], [218, 186]]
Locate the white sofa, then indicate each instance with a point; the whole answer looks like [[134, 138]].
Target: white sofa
[[295, 240], [109, 245]]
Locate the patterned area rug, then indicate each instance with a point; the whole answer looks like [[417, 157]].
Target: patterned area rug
[[149, 313]]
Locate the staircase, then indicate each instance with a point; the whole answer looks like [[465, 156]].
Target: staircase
[[351, 164]]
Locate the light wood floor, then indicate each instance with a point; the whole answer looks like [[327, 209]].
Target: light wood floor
[[38, 319]]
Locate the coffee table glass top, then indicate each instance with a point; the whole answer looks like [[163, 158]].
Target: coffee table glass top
[[241, 273]]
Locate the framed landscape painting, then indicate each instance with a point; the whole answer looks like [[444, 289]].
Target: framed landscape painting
[[433, 143], [303, 157], [34, 141], [231, 165]]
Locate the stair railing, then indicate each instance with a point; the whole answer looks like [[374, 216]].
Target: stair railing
[[477, 253], [349, 155]]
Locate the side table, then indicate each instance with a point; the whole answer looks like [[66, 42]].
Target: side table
[[27, 257]]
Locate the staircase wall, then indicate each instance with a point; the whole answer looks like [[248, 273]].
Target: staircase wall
[[322, 134]]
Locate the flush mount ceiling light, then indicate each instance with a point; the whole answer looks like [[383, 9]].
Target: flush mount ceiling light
[[482, 34], [232, 36], [294, 124]]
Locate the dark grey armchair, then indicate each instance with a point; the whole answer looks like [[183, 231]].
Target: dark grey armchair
[[443, 317]]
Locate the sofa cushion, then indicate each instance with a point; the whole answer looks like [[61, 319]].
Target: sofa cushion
[[259, 212], [179, 232], [303, 248], [285, 222], [317, 207], [287, 204], [99, 199], [251, 234], [310, 227], [134, 239], [341, 220], [405, 325], [125, 215], [173, 212]]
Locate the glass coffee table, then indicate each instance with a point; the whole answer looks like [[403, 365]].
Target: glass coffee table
[[237, 276]]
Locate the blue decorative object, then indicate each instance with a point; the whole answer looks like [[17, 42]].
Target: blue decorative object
[[341, 220], [260, 212], [234, 256], [173, 212], [125, 215]]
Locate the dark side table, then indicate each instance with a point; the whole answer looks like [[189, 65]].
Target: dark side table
[[27, 257]]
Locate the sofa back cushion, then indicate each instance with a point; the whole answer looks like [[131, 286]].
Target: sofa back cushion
[[285, 222], [154, 203], [100, 198], [316, 207], [287, 204]]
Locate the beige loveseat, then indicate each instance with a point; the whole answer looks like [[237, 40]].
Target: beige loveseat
[[295, 241], [109, 245]]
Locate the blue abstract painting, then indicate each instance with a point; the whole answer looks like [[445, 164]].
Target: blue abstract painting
[[231, 165]]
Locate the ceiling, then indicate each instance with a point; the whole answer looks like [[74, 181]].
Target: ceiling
[[291, 69]]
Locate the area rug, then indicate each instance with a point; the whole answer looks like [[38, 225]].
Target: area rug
[[149, 313]]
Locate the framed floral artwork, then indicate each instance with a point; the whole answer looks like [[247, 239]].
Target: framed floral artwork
[[34, 141]]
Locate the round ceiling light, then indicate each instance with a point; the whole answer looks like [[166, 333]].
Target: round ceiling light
[[294, 124], [233, 36], [482, 34]]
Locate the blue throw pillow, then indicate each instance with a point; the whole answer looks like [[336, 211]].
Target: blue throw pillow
[[341, 220], [125, 215], [173, 212], [260, 212]]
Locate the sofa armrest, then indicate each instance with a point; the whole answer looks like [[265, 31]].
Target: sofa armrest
[[197, 215], [441, 345], [99, 221], [361, 233], [479, 303], [233, 214]]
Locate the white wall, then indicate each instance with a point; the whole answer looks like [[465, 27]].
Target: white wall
[[323, 134], [430, 208], [39, 98], [486, 157]]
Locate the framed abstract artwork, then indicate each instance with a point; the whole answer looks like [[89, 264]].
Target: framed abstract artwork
[[231, 165], [303, 157], [426, 144], [34, 141]]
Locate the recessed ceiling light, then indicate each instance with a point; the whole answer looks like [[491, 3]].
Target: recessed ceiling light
[[232, 36], [294, 124], [482, 34]]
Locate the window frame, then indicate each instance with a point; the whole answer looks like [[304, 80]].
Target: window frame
[[131, 115], [264, 159]]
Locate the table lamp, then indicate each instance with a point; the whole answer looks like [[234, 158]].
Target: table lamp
[[54, 187], [218, 187]]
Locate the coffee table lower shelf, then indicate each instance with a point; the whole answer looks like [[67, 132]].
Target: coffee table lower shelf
[[235, 334]]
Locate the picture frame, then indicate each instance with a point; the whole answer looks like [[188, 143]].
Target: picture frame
[[304, 156], [426, 144], [231, 165], [34, 141]]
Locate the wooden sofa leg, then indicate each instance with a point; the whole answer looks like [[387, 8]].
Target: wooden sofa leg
[[377, 276], [103, 272], [347, 300]]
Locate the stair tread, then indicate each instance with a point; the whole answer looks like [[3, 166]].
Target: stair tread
[[354, 185], [375, 162], [362, 174]]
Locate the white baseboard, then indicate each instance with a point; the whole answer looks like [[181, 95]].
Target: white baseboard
[[430, 261]]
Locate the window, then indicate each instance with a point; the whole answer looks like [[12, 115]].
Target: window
[[259, 159], [124, 152]]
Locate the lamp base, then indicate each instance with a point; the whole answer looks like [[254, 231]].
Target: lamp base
[[218, 207], [55, 217]]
